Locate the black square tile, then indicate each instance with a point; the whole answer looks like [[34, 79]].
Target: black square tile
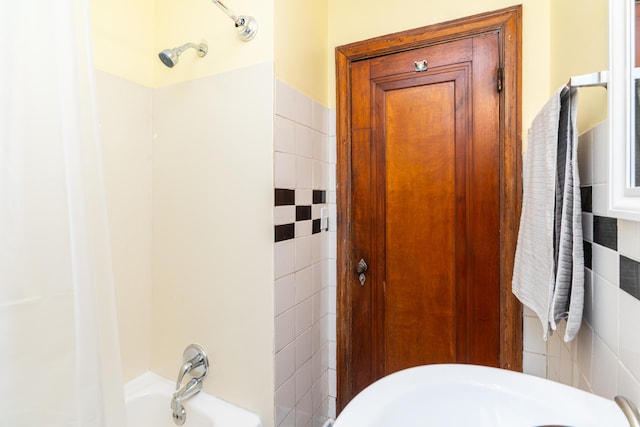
[[587, 253], [630, 276], [587, 198], [605, 231], [284, 232], [284, 197], [303, 213], [319, 197]]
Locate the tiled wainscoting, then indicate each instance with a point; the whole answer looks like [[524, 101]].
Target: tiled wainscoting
[[605, 357], [305, 259]]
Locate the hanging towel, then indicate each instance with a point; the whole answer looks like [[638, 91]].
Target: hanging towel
[[568, 293], [533, 271], [549, 264]]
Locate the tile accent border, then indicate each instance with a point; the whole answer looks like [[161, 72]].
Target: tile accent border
[[287, 197], [605, 234]]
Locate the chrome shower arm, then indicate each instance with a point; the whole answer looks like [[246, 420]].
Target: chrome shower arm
[[246, 26], [201, 50], [226, 10]]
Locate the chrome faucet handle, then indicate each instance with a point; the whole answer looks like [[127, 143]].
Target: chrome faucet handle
[[195, 363]]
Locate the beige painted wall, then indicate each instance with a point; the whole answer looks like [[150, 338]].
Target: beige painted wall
[[301, 51], [123, 38], [128, 35], [178, 22], [579, 30]]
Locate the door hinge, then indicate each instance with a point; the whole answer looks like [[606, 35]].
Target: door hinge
[[500, 77]]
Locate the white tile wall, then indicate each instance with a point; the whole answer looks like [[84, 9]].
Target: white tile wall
[[604, 319], [605, 357], [305, 267], [627, 246], [285, 170], [630, 336], [534, 347], [606, 264], [531, 340]]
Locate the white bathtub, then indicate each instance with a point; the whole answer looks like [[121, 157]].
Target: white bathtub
[[468, 395], [148, 404]]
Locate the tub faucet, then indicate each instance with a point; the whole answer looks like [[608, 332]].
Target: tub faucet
[[196, 365], [186, 392]]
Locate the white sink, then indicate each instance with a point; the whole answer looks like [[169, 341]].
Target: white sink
[[469, 395]]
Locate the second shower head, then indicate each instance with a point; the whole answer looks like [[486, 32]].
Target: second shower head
[[169, 57]]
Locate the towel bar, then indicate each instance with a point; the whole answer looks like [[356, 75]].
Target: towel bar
[[599, 78]]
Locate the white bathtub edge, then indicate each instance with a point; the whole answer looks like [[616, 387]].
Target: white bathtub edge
[[150, 382]]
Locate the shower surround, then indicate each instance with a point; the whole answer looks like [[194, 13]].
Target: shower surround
[[190, 186]]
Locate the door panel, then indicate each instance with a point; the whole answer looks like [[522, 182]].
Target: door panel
[[420, 221], [415, 209], [439, 55]]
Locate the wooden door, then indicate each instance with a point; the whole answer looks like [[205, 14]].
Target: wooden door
[[425, 211]]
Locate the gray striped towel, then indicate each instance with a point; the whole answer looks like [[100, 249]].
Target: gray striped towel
[[549, 264]]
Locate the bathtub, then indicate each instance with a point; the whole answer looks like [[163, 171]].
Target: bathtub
[[148, 401], [468, 395]]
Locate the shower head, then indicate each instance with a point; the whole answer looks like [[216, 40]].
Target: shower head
[[169, 57]]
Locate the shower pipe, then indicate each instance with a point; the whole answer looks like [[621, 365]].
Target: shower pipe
[[247, 26]]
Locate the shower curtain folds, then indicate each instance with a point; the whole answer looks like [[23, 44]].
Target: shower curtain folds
[[59, 354]]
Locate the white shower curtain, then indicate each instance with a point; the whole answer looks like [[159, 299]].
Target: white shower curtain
[[59, 355]]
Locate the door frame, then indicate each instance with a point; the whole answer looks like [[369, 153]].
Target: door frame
[[507, 24]]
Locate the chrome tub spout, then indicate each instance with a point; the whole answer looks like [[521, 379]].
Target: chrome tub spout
[[186, 392]]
